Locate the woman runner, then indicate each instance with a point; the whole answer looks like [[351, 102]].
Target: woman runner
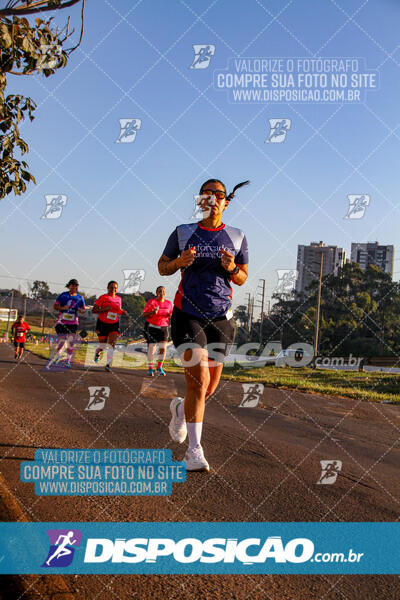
[[69, 304], [108, 307], [157, 313], [211, 256]]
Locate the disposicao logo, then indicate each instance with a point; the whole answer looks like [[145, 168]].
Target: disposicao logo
[[62, 547], [190, 550]]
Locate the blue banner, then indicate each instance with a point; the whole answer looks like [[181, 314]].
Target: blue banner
[[198, 548], [108, 472]]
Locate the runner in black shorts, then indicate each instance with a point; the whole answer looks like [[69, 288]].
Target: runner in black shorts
[[157, 313], [108, 307], [210, 255], [20, 327], [69, 304]]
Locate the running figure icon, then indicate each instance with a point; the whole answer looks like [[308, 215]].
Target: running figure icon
[[330, 470], [62, 549]]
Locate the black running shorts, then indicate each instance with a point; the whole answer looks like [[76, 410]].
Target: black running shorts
[[104, 329], [19, 344], [64, 329], [153, 335], [217, 335]]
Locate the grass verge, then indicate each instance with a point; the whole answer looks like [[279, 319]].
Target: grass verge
[[371, 386]]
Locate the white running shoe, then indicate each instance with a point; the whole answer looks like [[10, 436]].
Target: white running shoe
[[194, 459], [177, 426]]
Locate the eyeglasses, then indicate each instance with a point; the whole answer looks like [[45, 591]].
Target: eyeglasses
[[219, 194]]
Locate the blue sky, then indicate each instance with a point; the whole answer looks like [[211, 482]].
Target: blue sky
[[123, 200]]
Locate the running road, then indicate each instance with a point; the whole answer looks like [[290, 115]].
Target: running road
[[264, 467]]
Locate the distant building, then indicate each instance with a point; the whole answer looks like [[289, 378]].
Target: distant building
[[372, 253], [309, 263]]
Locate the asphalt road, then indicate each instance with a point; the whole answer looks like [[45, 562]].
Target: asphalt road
[[265, 464]]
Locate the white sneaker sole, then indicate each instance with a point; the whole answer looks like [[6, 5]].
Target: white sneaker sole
[[196, 465], [199, 468], [172, 430]]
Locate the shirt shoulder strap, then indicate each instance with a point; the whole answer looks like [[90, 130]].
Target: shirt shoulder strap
[[184, 233], [236, 235]]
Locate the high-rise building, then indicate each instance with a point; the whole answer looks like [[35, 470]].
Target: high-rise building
[[372, 253], [309, 263]]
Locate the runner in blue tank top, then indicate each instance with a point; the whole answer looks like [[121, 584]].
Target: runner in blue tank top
[[211, 256]]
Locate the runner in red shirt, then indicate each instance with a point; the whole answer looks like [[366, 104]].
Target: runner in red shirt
[[108, 307], [20, 328], [157, 313]]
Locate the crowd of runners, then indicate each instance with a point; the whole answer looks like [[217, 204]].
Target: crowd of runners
[[210, 256]]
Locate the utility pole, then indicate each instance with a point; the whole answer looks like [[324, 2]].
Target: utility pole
[[262, 294], [248, 310], [42, 323], [251, 313], [250, 304], [9, 314], [316, 338]]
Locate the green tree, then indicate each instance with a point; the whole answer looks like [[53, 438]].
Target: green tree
[[40, 289], [134, 306], [241, 315], [25, 49], [360, 313]]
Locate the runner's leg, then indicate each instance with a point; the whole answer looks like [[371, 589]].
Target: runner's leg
[[151, 348], [162, 350], [61, 341], [220, 336], [70, 347], [102, 344], [111, 341], [215, 369], [197, 378]]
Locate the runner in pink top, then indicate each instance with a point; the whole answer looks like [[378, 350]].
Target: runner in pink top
[[157, 313], [108, 308], [111, 307]]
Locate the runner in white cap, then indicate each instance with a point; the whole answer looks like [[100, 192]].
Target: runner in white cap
[[69, 304]]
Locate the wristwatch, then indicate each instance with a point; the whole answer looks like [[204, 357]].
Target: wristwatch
[[235, 271]]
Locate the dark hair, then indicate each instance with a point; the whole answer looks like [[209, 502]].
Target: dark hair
[[110, 282], [72, 282], [160, 287], [229, 196]]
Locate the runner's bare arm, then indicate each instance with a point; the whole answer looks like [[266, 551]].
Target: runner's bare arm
[[96, 309], [100, 309], [149, 313], [59, 307], [240, 278], [228, 262], [169, 266]]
